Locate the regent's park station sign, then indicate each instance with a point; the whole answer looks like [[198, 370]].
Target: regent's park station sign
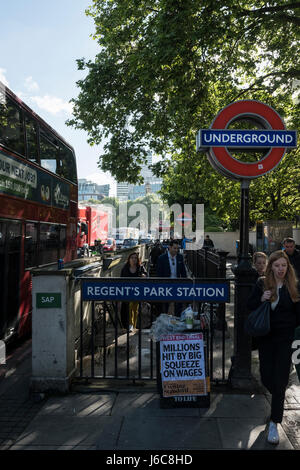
[[164, 290], [271, 136]]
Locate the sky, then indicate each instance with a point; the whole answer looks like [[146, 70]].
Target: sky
[[40, 41]]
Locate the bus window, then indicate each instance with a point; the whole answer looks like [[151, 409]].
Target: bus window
[[11, 127], [49, 243], [48, 151], [67, 165], [30, 248], [31, 140]]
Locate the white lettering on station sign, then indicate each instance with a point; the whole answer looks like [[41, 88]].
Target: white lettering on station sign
[[164, 291], [241, 138]]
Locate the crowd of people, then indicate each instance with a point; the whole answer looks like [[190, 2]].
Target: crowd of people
[[168, 262], [277, 283]]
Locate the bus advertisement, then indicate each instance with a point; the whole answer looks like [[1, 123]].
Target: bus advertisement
[[38, 207]]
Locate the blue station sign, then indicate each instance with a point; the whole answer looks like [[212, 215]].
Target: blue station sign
[[246, 138], [156, 291]]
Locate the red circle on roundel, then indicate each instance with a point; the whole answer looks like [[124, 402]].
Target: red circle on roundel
[[257, 110]]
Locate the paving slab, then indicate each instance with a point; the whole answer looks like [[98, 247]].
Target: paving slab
[[6, 444], [64, 430], [249, 434], [238, 406], [80, 405], [169, 433], [15, 386], [291, 425], [292, 395], [147, 404]]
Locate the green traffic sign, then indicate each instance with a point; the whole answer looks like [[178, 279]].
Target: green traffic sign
[[48, 300]]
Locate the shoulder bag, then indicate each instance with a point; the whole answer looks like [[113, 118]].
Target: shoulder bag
[[258, 321]]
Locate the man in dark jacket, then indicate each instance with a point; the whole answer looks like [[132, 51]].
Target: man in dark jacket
[[289, 246], [171, 264], [208, 243], [156, 251]]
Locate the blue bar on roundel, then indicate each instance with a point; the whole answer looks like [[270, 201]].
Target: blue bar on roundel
[[246, 139]]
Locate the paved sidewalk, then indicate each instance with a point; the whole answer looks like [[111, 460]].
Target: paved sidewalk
[[16, 408], [133, 420]]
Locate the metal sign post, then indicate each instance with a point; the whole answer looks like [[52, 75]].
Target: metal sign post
[[245, 276], [217, 142]]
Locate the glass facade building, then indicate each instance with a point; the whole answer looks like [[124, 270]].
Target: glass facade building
[[89, 190], [152, 184]]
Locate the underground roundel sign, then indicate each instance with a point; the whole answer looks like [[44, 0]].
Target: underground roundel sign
[[271, 136], [184, 219]]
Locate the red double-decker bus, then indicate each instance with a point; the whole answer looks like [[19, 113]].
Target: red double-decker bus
[[38, 207]]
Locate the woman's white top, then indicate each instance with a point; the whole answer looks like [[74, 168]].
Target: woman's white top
[[274, 304]]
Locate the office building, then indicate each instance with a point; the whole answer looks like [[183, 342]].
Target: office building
[[152, 184], [89, 190], [122, 191]]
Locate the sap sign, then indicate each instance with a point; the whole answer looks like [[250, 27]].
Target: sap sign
[[48, 300]]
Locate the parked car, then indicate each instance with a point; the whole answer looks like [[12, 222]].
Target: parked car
[[119, 244], [145, 241], [129, 243], [110, 245]]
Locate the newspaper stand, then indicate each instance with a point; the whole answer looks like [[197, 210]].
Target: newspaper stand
[[191, 393]]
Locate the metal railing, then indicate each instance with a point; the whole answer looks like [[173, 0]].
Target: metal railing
[[113, 352], [206, 263]]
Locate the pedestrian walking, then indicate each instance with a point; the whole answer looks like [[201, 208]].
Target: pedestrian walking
[[208, 243], [156, 251], [289, 246], [171, 264], [129, 310], [278, 286], [260, 261]]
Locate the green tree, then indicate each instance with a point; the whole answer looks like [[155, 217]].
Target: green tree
[[166, 67], [110, 200]]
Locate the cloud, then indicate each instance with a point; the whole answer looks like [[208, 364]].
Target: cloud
[[3, 79], [31, 85], [52, 104], [49, 103], [100, 177], [21, 95]]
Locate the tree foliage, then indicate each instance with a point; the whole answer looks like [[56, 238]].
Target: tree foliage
[[164, 70]]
